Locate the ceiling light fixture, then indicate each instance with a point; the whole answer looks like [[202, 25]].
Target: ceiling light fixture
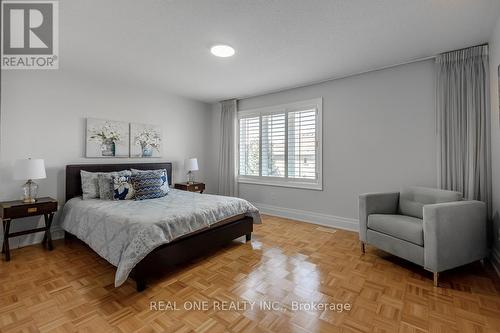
[[222, 51]]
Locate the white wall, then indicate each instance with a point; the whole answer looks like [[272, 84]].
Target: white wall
[[495, 139], [378, 135], [43, 116]]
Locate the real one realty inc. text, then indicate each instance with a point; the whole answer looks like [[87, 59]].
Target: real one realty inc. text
[[163, 305]]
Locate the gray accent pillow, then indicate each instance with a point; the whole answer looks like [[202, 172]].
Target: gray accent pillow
[[90, 185], [106, 183]]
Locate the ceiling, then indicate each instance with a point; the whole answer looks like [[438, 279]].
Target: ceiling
[[279, 43]]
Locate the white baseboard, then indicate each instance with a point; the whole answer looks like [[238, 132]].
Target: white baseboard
[[495, 260], [310, 217], [57, 233]]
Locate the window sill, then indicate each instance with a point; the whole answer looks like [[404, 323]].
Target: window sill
[[281, 183]]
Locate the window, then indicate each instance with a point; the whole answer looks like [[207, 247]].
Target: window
[[281, 145]]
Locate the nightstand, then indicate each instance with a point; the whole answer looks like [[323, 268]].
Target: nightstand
[[191, 187], [10, 210]]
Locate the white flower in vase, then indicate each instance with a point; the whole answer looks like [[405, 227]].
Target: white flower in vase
[[148, 139], [107, 136]]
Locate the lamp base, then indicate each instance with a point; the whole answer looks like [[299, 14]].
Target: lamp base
[[30, 192], [190, 177]]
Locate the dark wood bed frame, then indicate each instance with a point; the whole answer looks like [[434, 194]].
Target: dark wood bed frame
[[176, 252]]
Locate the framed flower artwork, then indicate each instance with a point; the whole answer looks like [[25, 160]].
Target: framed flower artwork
[[107, 138], [145, 140]]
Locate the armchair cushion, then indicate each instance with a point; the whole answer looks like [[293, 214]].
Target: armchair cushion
[[375, 203], [413, 199], [403, 227]]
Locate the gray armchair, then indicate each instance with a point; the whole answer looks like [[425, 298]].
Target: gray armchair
[[429, 227]]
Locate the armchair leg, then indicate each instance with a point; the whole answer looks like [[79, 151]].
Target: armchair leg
[[362, 247], [436, 279]]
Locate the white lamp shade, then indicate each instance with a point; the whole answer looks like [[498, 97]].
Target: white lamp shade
[[29, 169], [191, 164]]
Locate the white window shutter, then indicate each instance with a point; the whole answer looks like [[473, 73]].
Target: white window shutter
[[273, 145], [249, 146], [302, 144]]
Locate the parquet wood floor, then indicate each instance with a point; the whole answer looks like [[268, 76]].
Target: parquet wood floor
[[71, 289]]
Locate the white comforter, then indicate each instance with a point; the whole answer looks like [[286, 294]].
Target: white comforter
[[124, 232]]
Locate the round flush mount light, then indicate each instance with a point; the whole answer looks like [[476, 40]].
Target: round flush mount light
[[222, 51]]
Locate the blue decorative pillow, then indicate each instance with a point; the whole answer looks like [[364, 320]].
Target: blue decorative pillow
[[161, 173], [122, 188], [147, 185], [106, 183]]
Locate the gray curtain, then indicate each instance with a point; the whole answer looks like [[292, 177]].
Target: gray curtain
[[227, 150], [463, 126]]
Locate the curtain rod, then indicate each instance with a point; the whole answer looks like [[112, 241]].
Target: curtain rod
[[340, 77], [465, 48]]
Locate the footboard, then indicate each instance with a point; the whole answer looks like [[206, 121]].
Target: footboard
[[190, 247]]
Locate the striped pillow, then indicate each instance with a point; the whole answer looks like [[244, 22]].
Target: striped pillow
[[147, 185], [162, 173]]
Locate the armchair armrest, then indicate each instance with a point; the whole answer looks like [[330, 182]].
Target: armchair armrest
[[455, 234], [375, 203]]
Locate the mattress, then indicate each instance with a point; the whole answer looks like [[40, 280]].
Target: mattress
[[124, 232]]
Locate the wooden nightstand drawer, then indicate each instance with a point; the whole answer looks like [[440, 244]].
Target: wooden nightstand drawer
[[195, 187], [38, 208]]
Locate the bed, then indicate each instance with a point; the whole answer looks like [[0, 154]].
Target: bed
[[145, 238]]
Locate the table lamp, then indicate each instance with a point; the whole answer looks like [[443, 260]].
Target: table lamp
[[191, 164], [29, 169]]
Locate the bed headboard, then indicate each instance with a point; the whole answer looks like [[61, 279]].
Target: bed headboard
[[74, 181]]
